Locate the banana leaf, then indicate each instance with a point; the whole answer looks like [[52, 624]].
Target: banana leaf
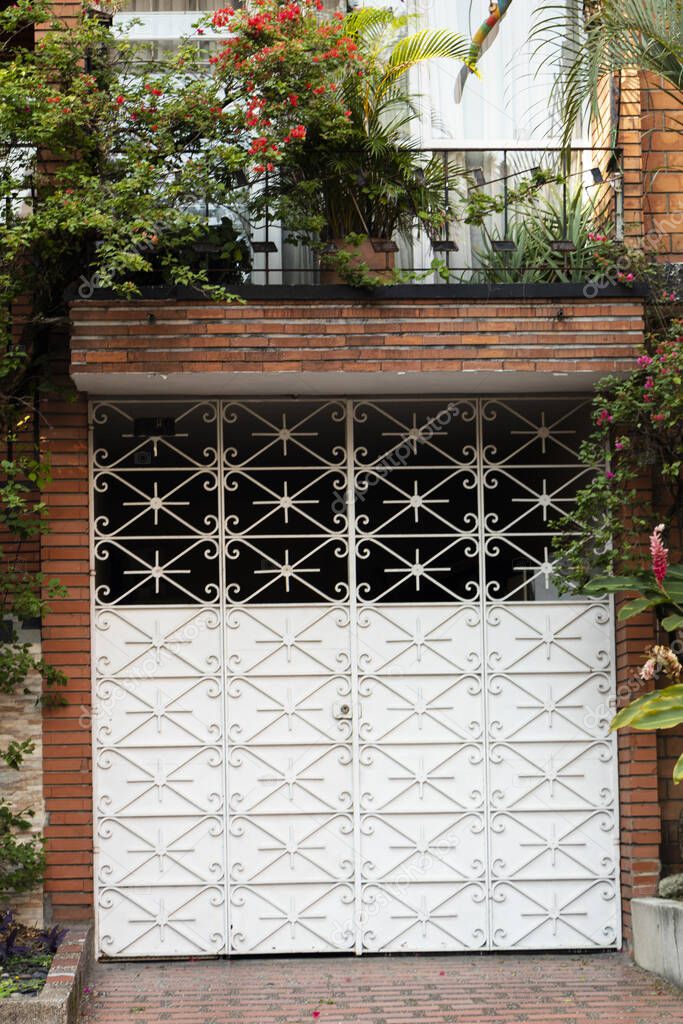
[[661, 709], [641, 604]]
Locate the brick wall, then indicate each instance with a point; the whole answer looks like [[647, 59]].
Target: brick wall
[[628, 104], [662, 143], [640, 816], [354, 335], [67, 768], [670, 747]]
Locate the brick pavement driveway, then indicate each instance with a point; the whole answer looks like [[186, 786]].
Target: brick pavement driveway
[[494, 989]]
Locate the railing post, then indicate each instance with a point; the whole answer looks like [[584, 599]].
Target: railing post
[[505, 193], [267, 229]]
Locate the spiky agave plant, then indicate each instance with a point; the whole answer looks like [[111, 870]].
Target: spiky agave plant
[[534, 227]]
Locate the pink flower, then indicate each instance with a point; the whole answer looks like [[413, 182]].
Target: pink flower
[[648, 669], [660, 554], [609, 475], [644, 361], [619, 446]]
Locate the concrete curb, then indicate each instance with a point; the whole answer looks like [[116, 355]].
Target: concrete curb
[[658, 937], [60, 999]]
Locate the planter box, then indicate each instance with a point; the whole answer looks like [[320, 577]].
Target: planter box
[[658, 937], [60, 999]]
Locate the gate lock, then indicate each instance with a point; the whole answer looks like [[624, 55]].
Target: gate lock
[[342, 711]]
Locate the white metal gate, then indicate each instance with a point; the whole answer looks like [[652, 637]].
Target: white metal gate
[[338, 703]]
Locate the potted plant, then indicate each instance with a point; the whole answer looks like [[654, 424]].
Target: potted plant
[[327, 120]]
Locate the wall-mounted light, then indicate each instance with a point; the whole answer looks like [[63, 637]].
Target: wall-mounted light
[[383, 245], [563, 245]]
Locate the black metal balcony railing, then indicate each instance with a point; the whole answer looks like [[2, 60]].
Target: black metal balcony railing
[[544, 240]]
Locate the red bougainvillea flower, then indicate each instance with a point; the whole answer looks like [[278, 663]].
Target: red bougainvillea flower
[[222, 17], [258, 145], [120, 100], [602, 418], [289, 13], [660, 554]]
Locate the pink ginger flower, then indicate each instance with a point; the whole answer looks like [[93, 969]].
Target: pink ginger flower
[[660, 554]]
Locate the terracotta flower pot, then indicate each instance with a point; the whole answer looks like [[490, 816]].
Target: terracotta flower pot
[[379, 255]]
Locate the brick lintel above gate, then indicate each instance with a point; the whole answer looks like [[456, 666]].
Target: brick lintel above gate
[[338, 346]]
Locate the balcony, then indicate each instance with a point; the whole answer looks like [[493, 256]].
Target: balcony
[[547, 238], [563, 234]]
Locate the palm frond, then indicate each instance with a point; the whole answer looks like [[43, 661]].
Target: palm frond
[[645, 35]]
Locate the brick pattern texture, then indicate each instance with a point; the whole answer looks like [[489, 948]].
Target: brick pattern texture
[[509, 989], [662, 145], [358, 335], [67, 767]]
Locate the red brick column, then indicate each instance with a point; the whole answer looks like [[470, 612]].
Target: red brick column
[[638, 783], [630, 140], [663, 168], [67, 763]]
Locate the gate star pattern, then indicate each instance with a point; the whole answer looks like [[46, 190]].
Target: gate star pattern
[[339, 705]]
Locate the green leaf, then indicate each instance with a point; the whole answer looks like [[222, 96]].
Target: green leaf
[[669, 700], [665, 718], [641, 604], [674, 588], [613, 584], [678, 770], [672, 623]]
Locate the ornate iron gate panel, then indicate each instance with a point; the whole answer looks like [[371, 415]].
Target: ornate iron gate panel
[[338, 703]]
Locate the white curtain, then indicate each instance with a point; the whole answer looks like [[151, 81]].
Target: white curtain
[[510, 101]]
